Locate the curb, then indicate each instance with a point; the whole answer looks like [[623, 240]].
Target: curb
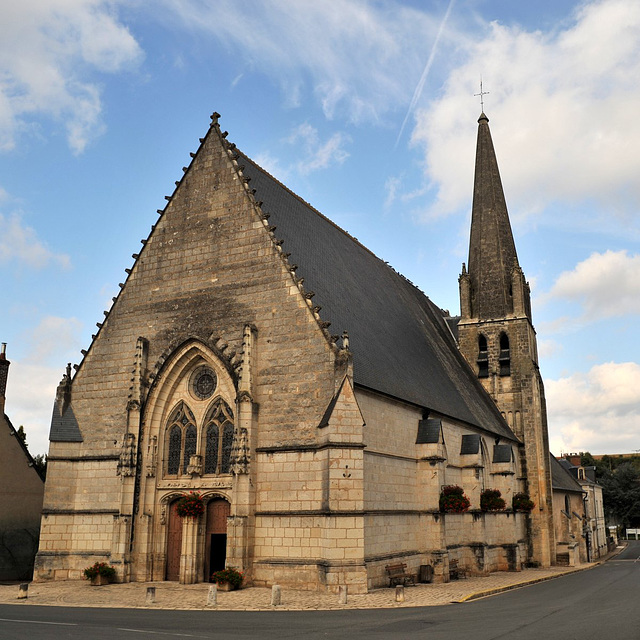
[[517, 585]]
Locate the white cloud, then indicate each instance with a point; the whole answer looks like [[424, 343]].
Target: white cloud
[[47, 48], [598, 411], [31, 391], [605, 284], [563, 109], [548, 348], [19, 244], [318, 154], [32, 383], [360, 59]]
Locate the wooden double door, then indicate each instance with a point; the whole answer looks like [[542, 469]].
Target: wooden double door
[[215, 547]]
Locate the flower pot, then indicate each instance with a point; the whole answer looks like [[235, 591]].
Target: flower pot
[[225, 586], [99, 580]]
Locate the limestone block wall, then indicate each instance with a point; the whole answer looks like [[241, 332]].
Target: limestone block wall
[[209, 268], [84, 539], [402, 486], [291, 481]]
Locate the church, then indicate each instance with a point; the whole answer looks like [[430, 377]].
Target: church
[[318, 403]]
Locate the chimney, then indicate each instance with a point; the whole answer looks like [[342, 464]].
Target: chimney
[[4, 373], [575, 459]]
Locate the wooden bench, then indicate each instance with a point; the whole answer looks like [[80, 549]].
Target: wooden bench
[[455, 572], [398, 574]]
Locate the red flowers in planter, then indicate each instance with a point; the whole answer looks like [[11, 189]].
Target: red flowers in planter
[[522, 502], [453, 500], [190, 505], [100, 569], [492, 500], [229, 575]]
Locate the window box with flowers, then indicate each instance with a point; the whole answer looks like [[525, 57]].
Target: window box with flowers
[[522, 502], [228, 579], [190, 505], [453, 500], [100, 573], [492, 500]]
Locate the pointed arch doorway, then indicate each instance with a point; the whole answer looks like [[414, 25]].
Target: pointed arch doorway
[[218, 510]]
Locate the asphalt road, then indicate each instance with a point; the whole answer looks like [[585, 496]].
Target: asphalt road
[[602, 603]]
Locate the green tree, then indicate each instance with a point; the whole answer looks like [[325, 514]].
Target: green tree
[[40, 463], [22, 435], [621, 493]]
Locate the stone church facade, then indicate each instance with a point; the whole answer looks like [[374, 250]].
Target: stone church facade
[[320, 456]]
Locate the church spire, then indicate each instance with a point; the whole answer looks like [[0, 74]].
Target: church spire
[[492, 252]]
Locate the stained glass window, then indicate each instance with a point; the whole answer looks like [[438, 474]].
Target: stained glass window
[[219, 430], [190, 442], [175, 445], [211, 452], [227, 443], [181, 441]]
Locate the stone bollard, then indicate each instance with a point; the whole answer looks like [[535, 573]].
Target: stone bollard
[[399, 593], [23, 592], [151, 595], [276, 595], [342, 595], [212, 596]]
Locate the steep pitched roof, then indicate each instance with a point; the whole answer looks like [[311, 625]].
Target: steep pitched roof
[[561, 479], [492, 250], [401, 344]]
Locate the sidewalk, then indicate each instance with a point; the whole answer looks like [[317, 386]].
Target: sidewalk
[[171, 595]]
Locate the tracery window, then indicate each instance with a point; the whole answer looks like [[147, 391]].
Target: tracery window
[[505, 355], [483, 357], [219, 438], [182, 439]]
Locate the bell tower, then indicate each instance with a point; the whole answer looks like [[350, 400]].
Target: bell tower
[[497, 337]]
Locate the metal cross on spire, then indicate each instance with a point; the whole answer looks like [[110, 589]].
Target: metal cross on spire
[[481, 94]]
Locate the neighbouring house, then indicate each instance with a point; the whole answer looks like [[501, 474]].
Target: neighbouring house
[[570, 518], [595, 530], [317, 401], [20, 498]]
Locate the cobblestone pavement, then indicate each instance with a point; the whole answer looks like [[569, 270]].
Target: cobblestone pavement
[[171, 595]]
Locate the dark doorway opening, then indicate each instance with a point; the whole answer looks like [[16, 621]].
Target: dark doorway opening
[[218, 552], [218, 511]]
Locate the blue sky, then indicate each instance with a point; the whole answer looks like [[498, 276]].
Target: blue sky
[[366, 110]]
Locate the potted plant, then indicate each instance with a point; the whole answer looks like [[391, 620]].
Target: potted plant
[[492, 500], [228, 579], [522, 502], [100, 573], [453, 500], [191, 505]]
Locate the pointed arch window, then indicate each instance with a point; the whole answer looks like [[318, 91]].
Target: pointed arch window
[[483, 357], [181, 440], [219, 438], [505, 355]]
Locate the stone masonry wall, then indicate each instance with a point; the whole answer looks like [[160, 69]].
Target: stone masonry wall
[[209, 268]]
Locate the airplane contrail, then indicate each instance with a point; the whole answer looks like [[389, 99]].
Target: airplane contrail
[[418, 92]]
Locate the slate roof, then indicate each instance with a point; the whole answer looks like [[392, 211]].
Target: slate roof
[[400, 341], [64, 428], [561, 479]]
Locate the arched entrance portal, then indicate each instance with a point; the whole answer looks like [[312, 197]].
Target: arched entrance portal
[[174, 544], [218, 511]]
